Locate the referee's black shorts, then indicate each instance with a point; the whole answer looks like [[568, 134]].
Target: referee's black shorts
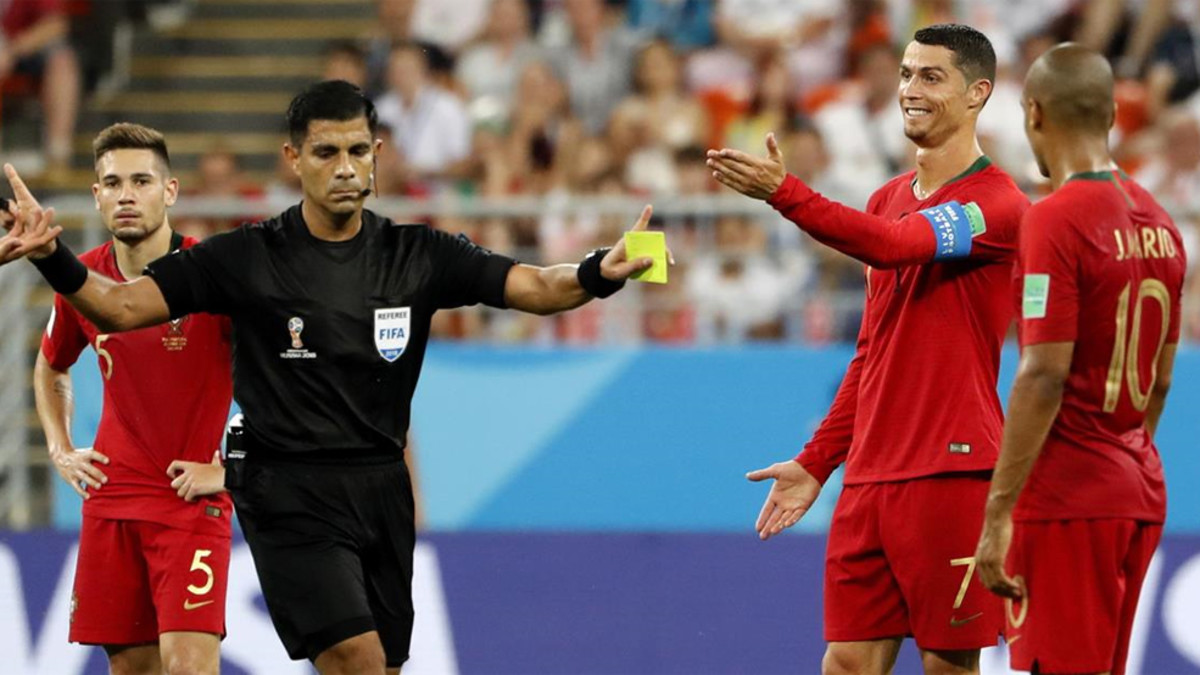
[[333, 547]]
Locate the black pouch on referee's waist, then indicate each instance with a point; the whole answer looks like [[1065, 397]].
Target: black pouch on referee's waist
[[235, 454]]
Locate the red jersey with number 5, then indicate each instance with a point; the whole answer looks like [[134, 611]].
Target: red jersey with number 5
[[1101, 264], [167, 391]]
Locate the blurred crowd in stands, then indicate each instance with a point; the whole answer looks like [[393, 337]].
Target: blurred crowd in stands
[[557, 98]]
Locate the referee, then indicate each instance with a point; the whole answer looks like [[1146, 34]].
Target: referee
[[330, 305]]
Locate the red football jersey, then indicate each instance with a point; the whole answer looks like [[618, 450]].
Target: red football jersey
[[1101, 265], [919, 397], [167, 391]]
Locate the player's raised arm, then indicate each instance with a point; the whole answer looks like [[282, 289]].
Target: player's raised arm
[[547, 290], [945, 232], [112, 306]]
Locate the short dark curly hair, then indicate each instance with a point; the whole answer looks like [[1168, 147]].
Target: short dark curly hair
[[335, 100]]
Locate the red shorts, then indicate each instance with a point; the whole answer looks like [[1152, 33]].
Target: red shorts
[[901, 561], [1082, 581], [136, 579]]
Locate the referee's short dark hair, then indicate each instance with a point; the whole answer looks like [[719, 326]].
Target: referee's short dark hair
[[129, 136], [335, 100], [973, 53]]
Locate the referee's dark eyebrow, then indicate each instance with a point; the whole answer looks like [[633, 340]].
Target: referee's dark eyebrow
[[357, 148]]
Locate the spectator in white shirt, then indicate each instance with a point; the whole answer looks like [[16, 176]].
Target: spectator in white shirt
[[431, 128], [863, 130]]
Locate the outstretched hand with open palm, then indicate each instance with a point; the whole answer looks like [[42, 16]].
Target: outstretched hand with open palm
[[792, 494]]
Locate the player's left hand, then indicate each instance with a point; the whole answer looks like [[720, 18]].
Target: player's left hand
[[196, 479], [757, 177], [990, 555], [615, 267]]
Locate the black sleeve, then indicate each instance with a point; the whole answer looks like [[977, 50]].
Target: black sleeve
[[203, 278], [467, 274]]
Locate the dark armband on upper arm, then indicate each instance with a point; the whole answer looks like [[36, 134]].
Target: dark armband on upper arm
[[955, 226], [171, 275], [492, 280]]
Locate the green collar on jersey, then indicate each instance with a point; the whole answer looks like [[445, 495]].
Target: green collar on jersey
[[1108, 175], [978, 165]]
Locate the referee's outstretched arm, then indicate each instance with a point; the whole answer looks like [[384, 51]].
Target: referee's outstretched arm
[[548, 290], [112, 306]]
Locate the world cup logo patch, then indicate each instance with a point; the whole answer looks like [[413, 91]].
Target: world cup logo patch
[[295, 326]]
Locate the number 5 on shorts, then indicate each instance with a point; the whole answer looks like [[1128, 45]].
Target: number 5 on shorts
[[199, 564], [969, 563]]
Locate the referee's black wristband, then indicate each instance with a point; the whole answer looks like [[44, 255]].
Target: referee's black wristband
[[62, 270], [590, 278]]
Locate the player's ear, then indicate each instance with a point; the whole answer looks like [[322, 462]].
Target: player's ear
[[1034, 113], [96, 194], [978, 93], [171, 190], [1112, 121]]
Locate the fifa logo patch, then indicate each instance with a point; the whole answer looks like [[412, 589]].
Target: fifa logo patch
[[391, 331], [295, 326]]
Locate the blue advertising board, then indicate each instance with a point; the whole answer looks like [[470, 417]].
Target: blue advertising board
[[588, 603]]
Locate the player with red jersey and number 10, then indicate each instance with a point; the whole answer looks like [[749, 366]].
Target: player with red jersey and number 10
[[917, 418], [153, 557], [1078, 490]]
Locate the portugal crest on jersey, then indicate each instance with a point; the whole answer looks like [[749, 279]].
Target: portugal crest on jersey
[[391, 331]]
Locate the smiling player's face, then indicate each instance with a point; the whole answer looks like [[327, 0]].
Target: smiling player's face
[[335, 164], [934, 95]]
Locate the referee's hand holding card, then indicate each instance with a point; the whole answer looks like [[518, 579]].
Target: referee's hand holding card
[[616, 265]]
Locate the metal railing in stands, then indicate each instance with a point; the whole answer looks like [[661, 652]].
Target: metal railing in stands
[[15, 505]]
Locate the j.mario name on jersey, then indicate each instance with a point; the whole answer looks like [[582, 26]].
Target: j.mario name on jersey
[[1144, 242]]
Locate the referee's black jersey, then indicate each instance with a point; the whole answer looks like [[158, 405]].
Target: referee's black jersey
[[329, 336]]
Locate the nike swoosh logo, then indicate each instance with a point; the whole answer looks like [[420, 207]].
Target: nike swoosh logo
[[188, 605], [1015, 638], [955, 623]]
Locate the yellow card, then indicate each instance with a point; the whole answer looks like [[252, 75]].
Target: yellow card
[[648, 245]]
